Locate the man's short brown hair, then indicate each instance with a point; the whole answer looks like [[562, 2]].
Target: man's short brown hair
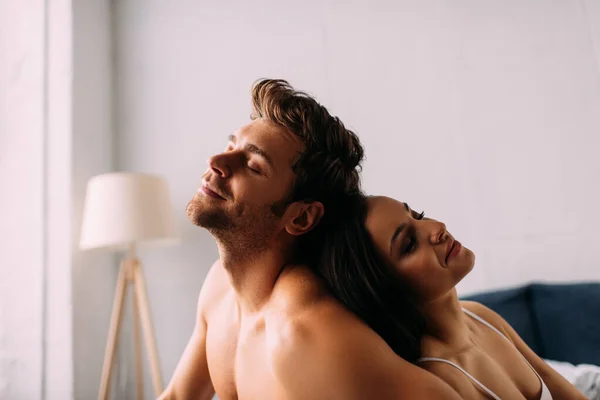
[[328, 170]]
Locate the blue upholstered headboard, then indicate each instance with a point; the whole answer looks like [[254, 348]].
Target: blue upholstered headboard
[[558, 321]]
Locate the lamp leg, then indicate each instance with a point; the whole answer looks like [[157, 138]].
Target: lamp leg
[[137, 345], [113, 332], [140, 292]]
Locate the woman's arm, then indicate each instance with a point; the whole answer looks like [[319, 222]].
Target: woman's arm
[[559, 387]]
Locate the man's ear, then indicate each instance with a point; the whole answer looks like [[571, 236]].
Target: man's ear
[[306, 216]]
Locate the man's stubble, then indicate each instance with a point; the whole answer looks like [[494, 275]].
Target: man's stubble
[[243, 232]]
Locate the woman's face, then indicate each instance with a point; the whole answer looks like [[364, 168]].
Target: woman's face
[[428, 259]]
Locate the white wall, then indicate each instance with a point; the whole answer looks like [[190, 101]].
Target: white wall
[[55, 132], [22, 201], [94, 272], [485, 114], [57, 349]]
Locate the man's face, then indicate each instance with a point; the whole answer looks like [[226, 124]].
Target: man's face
[[244, 187]]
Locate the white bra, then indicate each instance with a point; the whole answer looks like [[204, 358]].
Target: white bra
[[545, 392]]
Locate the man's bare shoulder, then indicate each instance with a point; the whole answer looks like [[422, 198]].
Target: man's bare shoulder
[[298, 287], [318, 349], [301, 302], [308, 333], [303, 312], [324, 331], [215, 285]]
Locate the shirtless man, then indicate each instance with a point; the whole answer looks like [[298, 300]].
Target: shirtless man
[[266, 328]]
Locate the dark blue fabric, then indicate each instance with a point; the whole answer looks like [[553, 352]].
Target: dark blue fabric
[[514, 306], [568, 316]]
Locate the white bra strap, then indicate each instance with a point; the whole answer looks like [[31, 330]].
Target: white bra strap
[[483, 321], [492, 327], [481, 385]]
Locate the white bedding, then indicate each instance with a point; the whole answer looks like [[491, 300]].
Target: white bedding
[[585, 377]]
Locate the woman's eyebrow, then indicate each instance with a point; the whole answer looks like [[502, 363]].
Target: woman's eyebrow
[[399, 229]]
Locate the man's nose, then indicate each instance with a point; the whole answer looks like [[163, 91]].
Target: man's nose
[[220, 165]]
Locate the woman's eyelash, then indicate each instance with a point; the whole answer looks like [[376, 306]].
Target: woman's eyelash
[[411, 245]]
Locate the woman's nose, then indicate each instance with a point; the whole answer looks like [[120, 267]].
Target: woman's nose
[[438, 233]]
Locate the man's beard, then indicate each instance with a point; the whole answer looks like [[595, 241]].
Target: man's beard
[[242, 232], [211, 219]]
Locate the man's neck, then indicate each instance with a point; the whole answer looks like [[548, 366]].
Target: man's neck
[[446, 321], [253, 276]]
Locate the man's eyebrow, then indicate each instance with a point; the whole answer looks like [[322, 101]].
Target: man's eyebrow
[[397, 232], [252, 148], [258, 151]]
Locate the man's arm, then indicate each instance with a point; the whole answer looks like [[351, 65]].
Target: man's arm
[[191, 379], [348, 362], [559, 387]]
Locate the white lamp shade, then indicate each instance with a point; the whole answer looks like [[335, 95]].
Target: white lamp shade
[[126, 208]]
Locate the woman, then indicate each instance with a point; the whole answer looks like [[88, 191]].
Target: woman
[[397, 270]]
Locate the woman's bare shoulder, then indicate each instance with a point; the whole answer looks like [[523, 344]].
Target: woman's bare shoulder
[[489, 315]]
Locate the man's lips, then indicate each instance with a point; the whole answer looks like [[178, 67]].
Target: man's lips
[[210, 192]]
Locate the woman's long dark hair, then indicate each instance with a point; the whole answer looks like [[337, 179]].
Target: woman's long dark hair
[[368, 286]]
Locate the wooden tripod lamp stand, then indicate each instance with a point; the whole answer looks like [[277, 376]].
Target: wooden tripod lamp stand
[[122, 210]]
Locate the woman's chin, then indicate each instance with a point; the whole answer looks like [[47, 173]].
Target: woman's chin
[[465, 266], [470, 258], [465, 259]]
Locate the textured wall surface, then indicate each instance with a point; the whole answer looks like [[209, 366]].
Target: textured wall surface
[[22, 201]]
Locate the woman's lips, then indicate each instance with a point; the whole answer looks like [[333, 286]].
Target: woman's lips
[[456, 248]]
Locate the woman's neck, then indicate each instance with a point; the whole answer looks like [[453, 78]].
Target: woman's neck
[[446, 322]]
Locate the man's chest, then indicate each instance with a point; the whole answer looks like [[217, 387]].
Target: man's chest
[[237, 355]]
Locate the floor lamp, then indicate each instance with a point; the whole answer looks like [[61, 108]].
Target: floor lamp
[[121, 211]]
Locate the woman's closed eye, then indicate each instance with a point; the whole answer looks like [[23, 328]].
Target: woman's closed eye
[[411, 246], [412, 240]]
